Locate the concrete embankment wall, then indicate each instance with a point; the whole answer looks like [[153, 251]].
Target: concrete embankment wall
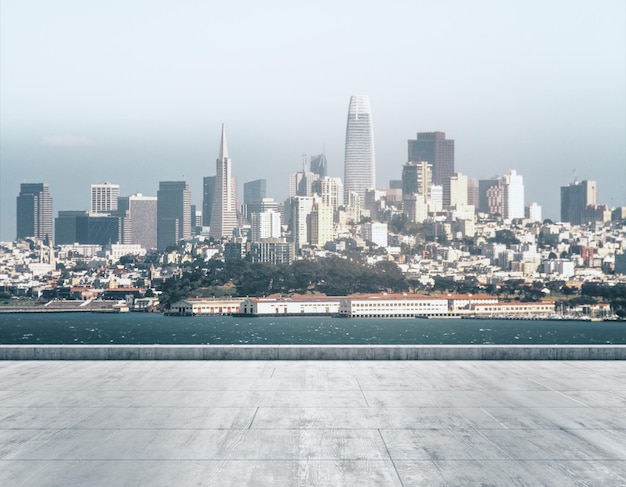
[[312, 352]]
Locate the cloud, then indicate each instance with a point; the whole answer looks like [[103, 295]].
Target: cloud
[[66, 140]]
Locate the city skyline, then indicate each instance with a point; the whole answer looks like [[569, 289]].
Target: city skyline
[[505, 81]]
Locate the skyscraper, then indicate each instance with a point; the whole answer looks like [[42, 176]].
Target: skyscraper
[[34, 211], [208, 188], [173, 213], [319, 165], [104, 197], [141, 211], [512, 195], [224, 208], [574, 199], [360, 162], [254, 191], [433, 147]]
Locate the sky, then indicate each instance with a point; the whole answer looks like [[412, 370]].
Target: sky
[[134, 92]]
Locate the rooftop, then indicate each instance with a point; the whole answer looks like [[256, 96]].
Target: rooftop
[[322, 423]]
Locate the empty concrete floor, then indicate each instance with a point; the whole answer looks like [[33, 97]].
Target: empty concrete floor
[[266, 423]]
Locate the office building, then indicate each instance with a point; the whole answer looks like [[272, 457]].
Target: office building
[[173, 213], [330, 190], [87, 228], [417, 179], [254, 191], [104, 197], [319, 165], [65, 227], [301, 183], [208, 188], [360, 162], [575, 198], [512, 195], [34, 211], [455, 190], [434, 148], [141, 213], [224, 208]]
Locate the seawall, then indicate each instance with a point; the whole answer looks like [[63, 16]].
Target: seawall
[[312, 352]]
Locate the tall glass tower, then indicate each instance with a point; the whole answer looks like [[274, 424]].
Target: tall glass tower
[[360, 162]]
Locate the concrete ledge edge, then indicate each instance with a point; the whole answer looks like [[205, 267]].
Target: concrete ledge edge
[[312, 352]]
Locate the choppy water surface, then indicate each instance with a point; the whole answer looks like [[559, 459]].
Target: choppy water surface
[[152, 328]]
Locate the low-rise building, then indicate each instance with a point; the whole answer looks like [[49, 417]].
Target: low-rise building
[[206, 306], [290, 306]]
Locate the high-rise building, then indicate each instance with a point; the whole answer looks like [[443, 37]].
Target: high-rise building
[[320, 224], [485, 200], [301, 207], [173, 213], [208, 188], [495, 200], [34, 211], [319, 165], [574, 199], [512, 195], [224, 208], [502, 195], [473, 193], [301, 183], [265, 225], [330, 190], [433, 147], [65, 227], [141, 213], [254, 191], [417, 178], [455, 190], [104, 197], [360, 162], [87, 228]]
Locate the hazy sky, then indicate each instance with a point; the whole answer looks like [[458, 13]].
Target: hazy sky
[[134, 92]]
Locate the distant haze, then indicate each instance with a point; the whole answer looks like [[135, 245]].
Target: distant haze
[[135, 92]]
